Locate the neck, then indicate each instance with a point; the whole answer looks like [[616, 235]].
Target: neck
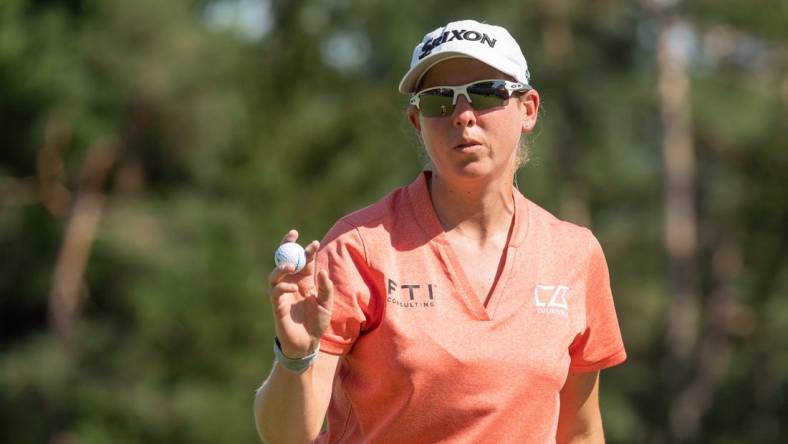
[[480, 210]]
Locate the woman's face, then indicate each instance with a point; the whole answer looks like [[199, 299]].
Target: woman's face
[[470, 144]]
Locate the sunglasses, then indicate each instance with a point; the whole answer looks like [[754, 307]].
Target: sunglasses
[[439, 101]]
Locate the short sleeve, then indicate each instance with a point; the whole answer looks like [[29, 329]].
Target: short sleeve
[[342, 255], [599, 345]]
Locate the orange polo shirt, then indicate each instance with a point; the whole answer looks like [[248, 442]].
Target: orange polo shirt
[[424, 361]]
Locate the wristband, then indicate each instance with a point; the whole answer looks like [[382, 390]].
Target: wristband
[[296, 365]]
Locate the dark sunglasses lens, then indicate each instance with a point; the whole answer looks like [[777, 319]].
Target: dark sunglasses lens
[[486, 95], [436, 103]]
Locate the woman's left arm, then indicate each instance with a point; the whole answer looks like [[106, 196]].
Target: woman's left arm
[[580, 420]]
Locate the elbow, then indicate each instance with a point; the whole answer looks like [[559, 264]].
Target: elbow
[[263, 421], [263, 431], [270, 435], [267, 430], [582, 433]]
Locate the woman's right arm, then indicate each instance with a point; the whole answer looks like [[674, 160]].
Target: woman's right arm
[[290, 406]]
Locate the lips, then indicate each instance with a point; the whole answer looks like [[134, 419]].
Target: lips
[[467, 143]]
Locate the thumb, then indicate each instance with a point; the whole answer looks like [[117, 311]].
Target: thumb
[[325, 290]]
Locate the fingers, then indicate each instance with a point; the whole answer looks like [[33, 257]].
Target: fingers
[[325, 290], [279, 272], [311, 253], [311, 250], [282, 288], [291, 236]]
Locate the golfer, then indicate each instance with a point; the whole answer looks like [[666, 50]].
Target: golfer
[[453, 310]]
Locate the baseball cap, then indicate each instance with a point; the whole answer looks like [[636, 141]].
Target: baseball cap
[[489, 44]]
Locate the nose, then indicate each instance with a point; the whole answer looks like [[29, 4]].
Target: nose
[[464, 114]]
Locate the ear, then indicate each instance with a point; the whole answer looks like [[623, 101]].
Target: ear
[[530, 110], [413, 118]]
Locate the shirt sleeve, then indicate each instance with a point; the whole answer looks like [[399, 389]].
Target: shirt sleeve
[[599, 345], [342, 255]]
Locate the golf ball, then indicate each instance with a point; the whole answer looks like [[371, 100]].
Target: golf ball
[[291, 253]]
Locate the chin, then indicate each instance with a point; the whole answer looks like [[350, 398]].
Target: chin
[[475, 171]]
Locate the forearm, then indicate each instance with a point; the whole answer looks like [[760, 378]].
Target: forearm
[[579, 420], [290, 405], [287, 407]]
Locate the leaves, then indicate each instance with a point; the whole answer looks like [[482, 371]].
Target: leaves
[[226, 138]]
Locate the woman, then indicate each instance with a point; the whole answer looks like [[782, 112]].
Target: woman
[[454, 309]]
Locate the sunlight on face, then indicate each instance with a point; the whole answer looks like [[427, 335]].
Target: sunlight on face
[[470, 144]]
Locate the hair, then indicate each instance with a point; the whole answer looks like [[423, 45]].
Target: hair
[[523, 150]]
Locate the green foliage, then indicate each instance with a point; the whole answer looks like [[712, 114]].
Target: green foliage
[[222, 142]]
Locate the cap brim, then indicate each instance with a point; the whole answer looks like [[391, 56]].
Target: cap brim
[[412, 77]]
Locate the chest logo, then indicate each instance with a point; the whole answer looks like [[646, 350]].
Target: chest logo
[[410, 295], [551, 299]]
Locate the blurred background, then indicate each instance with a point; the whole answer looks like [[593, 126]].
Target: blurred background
[[153, 153]]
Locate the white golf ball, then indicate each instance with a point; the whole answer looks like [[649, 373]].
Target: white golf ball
[[291, 253]]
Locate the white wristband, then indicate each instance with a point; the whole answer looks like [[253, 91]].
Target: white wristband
[[296, 365]]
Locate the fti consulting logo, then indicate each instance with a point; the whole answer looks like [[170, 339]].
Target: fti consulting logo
[[552, 299], [420, 295]]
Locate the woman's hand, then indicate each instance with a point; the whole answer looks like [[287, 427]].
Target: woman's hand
[[301, 311]]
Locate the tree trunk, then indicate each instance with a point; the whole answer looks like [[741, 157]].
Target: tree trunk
[[86, 214], [680, 224]]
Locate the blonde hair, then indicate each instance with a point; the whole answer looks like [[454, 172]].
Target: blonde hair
[[523, 154]]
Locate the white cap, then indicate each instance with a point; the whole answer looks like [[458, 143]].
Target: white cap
[[490, 44]]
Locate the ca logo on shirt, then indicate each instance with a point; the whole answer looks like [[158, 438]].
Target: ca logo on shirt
[[551, 299]]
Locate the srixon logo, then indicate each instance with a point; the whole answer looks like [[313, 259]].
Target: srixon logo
[[448, 36], [410, 295]]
